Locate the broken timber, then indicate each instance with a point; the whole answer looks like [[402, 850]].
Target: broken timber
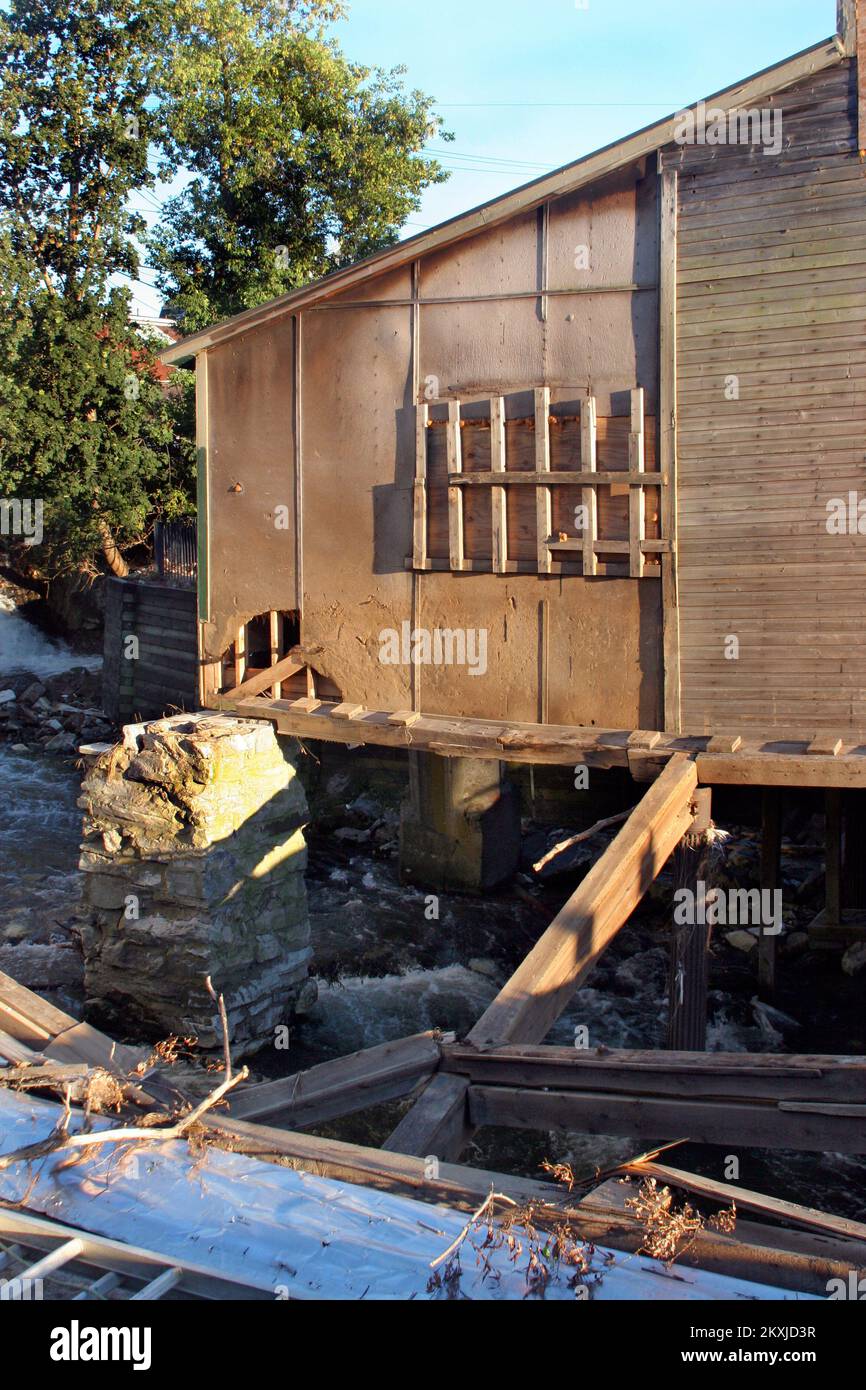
[[541, 987]]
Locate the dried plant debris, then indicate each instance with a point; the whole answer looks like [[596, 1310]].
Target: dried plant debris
[[545, 1256], [669, 1233]]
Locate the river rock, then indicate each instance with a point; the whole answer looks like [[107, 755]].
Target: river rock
[[741, 940], [194, 860], [7, 697], [854, 959]]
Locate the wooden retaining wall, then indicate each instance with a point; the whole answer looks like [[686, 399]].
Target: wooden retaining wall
[[163, 675]]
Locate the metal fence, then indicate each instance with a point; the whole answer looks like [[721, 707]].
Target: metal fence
[[175, 545]]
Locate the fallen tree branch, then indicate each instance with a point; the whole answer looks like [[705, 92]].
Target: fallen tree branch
[[60, 1140], [563, 845]]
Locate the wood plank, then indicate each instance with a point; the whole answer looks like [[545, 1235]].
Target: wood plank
[[589, 499], [275, 624], [725, 743], [347, 712], [651, 1120], [794, 1260], [404, 718], [756, 1077], [456, 535], [541, 987], [825, 746], [498, 496], [419, 524], [240, 656], [726, 1194], [668, 352], [436, 1125], [543, 497], [283, 670], [341, 1087], [637, 497], [580, 478]]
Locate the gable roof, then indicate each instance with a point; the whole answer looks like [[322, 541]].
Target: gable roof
[[530, 195]]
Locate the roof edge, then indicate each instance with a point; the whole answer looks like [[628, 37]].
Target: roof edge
[[598, 164]]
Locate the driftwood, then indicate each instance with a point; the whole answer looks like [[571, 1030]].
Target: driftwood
[[572, 840]]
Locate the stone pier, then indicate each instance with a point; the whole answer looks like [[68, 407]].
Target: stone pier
[[193, 860]]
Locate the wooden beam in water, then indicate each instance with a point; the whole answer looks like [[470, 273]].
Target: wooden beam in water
[[541, 987]]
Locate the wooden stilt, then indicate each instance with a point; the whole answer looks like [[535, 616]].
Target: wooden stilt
[[833, 887], [771, 861], [689, 963]]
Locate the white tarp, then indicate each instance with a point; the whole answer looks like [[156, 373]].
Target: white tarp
[[287, 1232]]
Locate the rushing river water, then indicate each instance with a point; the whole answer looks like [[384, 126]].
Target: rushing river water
[[386, 972]]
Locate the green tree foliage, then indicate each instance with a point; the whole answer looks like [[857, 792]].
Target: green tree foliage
[[84, 425], [300, 160]]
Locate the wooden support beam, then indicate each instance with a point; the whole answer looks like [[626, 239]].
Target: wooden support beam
[[283, 670], [688, 977], [653, 1120], [589, 500], [456, 546], [833, 851], [343, 1086], [240, 655], [762, 1077], [771, 878], [668, 208], [498, 495], [541, 987], [543, 497], [419, 528], [436, 1126], [637, 497], [275, 622]]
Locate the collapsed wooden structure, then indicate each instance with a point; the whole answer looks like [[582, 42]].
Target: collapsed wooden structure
[[788, 1247]]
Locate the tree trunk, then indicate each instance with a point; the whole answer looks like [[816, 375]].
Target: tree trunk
[[113, 557]]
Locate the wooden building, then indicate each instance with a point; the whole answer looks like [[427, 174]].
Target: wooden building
[[614, 421]]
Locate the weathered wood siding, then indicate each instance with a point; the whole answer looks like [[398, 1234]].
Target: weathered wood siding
[[772, 291], [162, 676]]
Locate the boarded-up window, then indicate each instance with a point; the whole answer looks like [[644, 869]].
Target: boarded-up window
[[559, 492]]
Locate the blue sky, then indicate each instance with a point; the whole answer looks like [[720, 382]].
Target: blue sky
[[526, 87]]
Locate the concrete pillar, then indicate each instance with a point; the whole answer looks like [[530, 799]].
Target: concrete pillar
[[460, 825], [193, 860]]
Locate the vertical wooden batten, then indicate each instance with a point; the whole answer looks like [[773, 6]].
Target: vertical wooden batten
[[589, 464], [499, 503], [637, 495], [455, 494], [420, 499], [544, 509], [668, 194]]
